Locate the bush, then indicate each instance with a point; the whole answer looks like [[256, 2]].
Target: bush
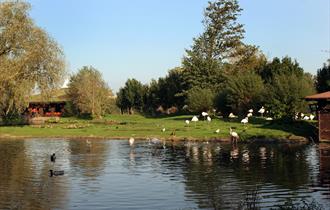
[[199, 99], [286, 95], [241, 92]]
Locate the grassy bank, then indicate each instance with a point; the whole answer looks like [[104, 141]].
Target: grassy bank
[[125, 126]]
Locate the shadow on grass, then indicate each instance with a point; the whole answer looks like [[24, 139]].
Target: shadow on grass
[[297, 128]]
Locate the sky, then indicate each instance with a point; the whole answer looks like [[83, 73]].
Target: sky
[[143, 39]]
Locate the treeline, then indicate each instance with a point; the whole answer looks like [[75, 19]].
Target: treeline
[[221, 73]]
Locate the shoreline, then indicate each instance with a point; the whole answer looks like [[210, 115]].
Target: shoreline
[[257, 139]]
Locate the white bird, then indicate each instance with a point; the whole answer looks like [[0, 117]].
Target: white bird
[[234, 136], [217, 131], [269, 118], [306, 118], [194, 119], [131, 141], [262, 110], [302, 115], [187, 122], [249, 114], [88, 142], [209, 119], [163, 130], [245, 120], [231, 115], [250, 110], [311, 117], [204, 114]]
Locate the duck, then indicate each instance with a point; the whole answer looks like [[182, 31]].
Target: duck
[[53, 157], [55, 173]]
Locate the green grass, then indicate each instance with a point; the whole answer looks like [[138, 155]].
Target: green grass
[[124, 126]]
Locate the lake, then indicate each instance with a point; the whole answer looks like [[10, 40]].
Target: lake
[[111, 174]]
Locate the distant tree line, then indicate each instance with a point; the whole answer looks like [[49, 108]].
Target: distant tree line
[[219, 72]]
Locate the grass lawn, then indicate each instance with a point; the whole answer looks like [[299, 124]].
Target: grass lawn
[[125, 126]]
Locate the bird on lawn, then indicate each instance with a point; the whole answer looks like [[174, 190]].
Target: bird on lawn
[[311, 117], [187, 122], [204, 114], [306, 118], [262, 110], [233, 135], [250, 110], [163, 130], [217, 131], [249, 114], [245, 120], [208, 119], [231, 115]]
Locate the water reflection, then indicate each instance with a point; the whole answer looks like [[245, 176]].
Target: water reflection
[[110, 173]]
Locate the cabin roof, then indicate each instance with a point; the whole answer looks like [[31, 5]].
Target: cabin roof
[[319, 96], [56, 96]]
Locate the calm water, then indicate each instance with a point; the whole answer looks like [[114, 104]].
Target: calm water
[[109, 174]]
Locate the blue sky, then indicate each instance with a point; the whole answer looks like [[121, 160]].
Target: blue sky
[[143, 39]]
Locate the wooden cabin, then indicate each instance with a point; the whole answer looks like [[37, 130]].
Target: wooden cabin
[[321, 106], [52, 106]]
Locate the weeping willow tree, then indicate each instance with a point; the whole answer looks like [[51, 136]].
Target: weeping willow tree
[[29, 58]]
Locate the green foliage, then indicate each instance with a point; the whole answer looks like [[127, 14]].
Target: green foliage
[[200, 99], [285, 66], [242, 92], [286, 94], [29, 58], [222, 34], [166, 91], [323, 78], [89, 93], [131, 96]]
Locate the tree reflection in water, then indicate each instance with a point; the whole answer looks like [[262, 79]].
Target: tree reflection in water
[[183, 174]]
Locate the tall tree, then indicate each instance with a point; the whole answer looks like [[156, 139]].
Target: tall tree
[[89, 92], [222, 34], [131, 96], [323, 78], [29, 58]]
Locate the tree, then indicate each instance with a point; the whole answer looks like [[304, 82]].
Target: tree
[[323, 78], [246, 58], [200, 99], [241, 93], [285, 66], [131, 96], [29, 58], [286, 92], [222, 34], [89, 93]]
